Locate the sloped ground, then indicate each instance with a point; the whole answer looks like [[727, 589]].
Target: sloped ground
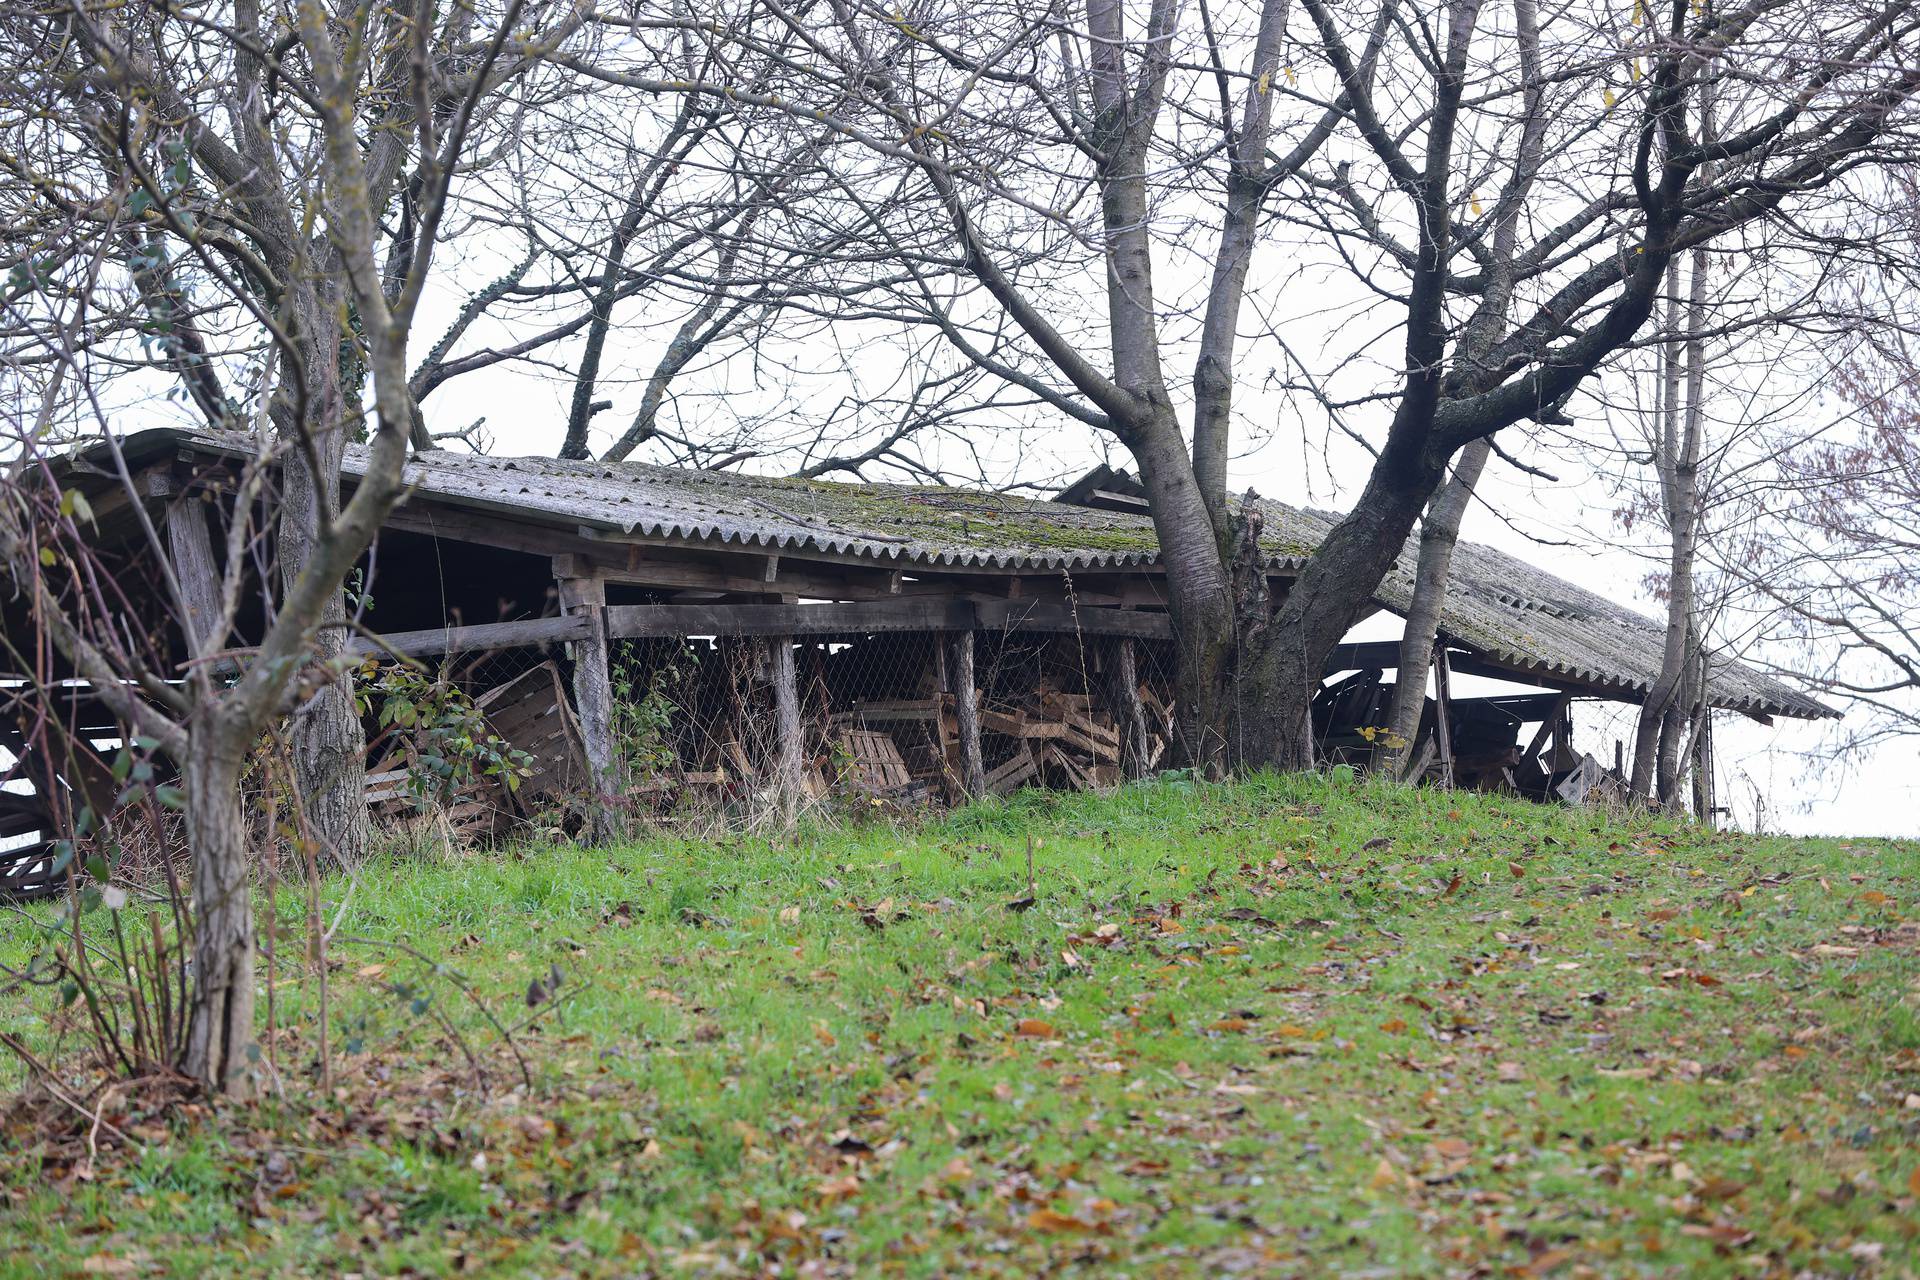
[[1287, 1027]]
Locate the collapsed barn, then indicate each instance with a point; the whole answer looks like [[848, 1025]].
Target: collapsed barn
[[647, 637]]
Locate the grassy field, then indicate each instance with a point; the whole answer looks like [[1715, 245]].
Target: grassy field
[[1286, 1027]]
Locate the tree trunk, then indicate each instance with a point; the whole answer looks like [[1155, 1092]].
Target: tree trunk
[[789, 747], [220, 1044], [1677, 452], [328, 743], [1199, 596], [1439, 534], [1277, 682]]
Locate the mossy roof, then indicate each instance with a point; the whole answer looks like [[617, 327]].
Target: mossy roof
[[1497, 605]]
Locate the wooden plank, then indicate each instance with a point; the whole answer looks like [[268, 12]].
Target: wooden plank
[[1015, 724], [1042, 615], [908, 614], [1442, 719], [190, 548], [1547, 727], [522, 633], [1012, 772], [530, 713]]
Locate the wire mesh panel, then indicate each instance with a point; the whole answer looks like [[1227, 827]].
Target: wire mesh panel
[[695, 720]]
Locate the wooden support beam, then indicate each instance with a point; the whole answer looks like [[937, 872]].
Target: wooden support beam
[[789, 752], [1549, 727], [1123, 680], [1442, 718], [1041, 615], [966, 711], [586, 599], [190, 548], [905, 613], [909, 614], [524, 632]]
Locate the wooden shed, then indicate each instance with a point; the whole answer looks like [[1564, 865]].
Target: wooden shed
[[801, 636]]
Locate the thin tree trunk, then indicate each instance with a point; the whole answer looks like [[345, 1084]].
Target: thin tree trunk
[[966, 713], [220, 1040], [1439, 534], [1677, 454], [1440, 529], [1239, 229]]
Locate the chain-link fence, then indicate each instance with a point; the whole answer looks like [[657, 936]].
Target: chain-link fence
[[694, 725]]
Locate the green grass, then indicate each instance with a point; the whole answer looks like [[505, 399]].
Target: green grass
[[1285, 1027]]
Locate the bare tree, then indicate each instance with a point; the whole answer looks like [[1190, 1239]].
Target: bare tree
[[1043, 156], [206, 206]]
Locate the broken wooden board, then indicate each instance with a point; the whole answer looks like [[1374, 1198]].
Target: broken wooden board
[[1017, 769], [1575, 787], [530, 713]]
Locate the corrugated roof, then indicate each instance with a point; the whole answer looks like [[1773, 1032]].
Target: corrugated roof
[[1498, 606], [925, 525]]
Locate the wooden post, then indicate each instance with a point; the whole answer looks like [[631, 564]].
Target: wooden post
[[1703, 802], [593, 698], [191, 548], [1442, 727], [1124, 679], [789, 761], [966, 711]]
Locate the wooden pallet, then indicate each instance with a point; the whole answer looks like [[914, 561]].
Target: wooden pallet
[[531, 714], [874, 761]]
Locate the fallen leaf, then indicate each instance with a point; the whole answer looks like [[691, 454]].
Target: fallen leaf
[[1036, 1028]]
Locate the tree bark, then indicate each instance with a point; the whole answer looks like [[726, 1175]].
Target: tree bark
[[1333, 590], [1124, 698], [220, 1041], [1677, 453], [1439, 534], [327, 740]]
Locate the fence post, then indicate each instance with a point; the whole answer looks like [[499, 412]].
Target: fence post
[[966, 711], [593, 695], [1132, 717], [790, 748], [1443, 710]]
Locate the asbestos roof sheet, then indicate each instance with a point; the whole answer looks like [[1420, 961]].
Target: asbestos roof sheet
[[1497, 605], [926, 525]]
